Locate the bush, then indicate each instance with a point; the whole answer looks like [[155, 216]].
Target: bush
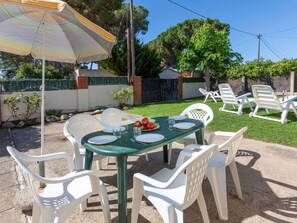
[[31, 102], [54, 112], [122, 96]]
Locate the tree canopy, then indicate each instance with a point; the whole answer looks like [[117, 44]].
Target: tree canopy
[[170, 43], [147, 61]]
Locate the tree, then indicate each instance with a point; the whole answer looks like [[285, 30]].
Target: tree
[[113, 15], [170, 43], [34, 71], [209, 50], [148, 63]]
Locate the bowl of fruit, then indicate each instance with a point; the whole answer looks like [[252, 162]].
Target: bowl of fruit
[[146, 125]]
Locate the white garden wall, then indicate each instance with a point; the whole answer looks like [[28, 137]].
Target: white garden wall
[[87, 99], [71, 100]]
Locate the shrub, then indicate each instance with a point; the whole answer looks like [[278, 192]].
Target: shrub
[[54, 112], [31, 103], [122, 96]]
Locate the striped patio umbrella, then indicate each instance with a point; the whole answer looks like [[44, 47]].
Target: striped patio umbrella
[[51, 30]]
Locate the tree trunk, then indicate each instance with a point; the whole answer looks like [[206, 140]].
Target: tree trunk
[[207, 78]]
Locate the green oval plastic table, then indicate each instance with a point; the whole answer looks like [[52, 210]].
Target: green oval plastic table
[[124, 147]]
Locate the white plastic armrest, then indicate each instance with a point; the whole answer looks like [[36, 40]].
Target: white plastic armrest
[[287, 100], [184, 155], [219, 133], [71, 176], [244, 95], [52, 156], [150, 180]]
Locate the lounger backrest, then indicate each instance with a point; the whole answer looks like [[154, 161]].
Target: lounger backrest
[[227, 94], [265, 97]]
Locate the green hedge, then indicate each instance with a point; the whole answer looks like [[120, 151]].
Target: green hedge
[[34, 85], [193, 79], [108, 80]]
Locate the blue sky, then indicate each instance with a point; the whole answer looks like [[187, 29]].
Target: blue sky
[[252, 16]]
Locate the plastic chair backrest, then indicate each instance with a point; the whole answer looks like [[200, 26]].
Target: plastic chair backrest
[[23, 162], [80, 125], [265, 97], [203, 91], [232, 145], [113, 117], [200, 112], [195, 168], [227, 94]]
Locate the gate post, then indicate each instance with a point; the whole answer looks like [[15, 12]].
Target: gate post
[[82, 93], [137, 91], [180, 88], [292, 83]]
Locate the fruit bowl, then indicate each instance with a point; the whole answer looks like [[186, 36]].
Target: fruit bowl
[[150, 129]]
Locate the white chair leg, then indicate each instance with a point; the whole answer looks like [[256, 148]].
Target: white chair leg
[[83, 206], [234, 173], [217, 179], [179, 216], [36, 213], [239, 112], [104, 202], [99, 164], [146, 157], [170, 214], [136, 201], [202, 206]]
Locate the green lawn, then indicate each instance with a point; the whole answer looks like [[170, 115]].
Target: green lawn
[[260, 129]]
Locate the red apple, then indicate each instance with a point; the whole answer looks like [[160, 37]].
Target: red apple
[[137, 124], [145, 121]]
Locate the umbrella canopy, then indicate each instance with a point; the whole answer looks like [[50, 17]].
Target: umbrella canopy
[[51, 30]]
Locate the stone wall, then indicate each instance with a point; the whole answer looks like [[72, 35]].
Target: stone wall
[[278, 83]]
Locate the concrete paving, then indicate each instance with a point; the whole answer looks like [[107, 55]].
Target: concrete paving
[[268, 174]]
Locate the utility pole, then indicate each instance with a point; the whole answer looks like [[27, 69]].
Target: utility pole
[[132, 36], [129, 56], [259, 41]]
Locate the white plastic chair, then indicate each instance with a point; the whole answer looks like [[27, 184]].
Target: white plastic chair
[[265, 98], [75, 129], [172, 191], [62, 195], [210, 95], [229, 98], [113, 117], [196, 111], [216, 169]]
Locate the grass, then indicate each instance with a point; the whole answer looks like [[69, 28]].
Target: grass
[[259, 129]]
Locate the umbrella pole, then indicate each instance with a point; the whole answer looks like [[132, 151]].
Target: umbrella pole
[[41, 164]]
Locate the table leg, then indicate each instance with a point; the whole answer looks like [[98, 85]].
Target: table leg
[[122, 188], [165, 153], [200, 136], [88, 160]]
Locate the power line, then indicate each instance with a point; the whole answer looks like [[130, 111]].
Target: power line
[[196, 13], [281, 31], [273, 47], [245, 41], [270, 49], [283, 37]]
